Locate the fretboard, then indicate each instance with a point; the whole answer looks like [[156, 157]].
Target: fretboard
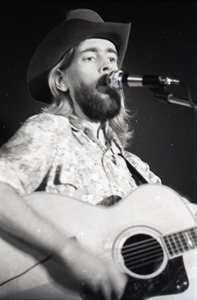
[[180, 242]]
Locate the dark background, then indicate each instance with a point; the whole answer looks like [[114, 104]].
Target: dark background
[[163, 41]]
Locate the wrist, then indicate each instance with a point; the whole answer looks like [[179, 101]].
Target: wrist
[[67, 250]]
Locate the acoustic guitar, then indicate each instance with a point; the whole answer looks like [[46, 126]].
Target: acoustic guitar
[[151, 236]]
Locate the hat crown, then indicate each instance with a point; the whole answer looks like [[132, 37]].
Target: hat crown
[[83, 14]]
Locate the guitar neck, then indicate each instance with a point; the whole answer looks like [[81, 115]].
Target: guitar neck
[[180, 242]]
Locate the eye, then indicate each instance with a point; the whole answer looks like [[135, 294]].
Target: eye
[[89, 58], [113, 59]]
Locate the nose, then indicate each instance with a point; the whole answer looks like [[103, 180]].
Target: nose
[[106, 67]]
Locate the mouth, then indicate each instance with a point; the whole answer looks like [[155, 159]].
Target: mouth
[[102, 86]]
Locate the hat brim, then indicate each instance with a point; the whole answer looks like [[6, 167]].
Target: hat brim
[[64, 36]]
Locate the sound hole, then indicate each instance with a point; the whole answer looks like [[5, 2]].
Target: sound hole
[[142, 254]]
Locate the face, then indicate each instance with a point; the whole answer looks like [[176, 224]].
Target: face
[[86, 80]]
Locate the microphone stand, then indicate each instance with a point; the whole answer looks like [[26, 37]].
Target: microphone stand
[[166, 97], [163, 97], [179, 101]]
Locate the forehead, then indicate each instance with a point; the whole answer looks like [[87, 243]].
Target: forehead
[[100, 44]]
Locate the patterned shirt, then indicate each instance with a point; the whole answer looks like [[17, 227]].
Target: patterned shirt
[[61, 155]]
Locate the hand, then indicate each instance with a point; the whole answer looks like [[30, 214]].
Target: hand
[[89, 272]]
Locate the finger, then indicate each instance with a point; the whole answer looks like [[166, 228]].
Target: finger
[[106, 291], [119, 285]]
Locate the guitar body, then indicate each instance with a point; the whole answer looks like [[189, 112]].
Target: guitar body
[[135, 233]]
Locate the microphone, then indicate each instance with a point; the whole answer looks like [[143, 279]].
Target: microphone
[[117, 80]]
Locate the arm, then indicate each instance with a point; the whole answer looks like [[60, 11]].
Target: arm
[[84, 269], [19, 219], [22, 222]]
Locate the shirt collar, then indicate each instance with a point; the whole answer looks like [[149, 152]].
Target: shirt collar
[[112, 140]]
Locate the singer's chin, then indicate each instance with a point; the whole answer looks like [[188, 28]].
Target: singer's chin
[[98, 105]]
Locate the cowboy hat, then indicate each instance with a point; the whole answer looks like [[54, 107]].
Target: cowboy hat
[[79, 25]]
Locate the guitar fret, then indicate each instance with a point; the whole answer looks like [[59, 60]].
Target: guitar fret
[[184, 241], [194, 235], [191, 242], [169, 245], [174, 244], [195, 231], [179, 242], [187, 239]]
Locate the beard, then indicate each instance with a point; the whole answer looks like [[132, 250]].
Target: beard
[[98, 106]]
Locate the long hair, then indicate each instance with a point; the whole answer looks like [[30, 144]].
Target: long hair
[[62, 103]]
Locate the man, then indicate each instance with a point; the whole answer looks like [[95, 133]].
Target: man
[[74, 148]]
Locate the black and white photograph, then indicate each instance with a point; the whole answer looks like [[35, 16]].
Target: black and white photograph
[[98, 150]]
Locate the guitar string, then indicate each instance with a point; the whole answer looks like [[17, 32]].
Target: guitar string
[[147, 259], [146, 251], [145, 263], [182, 242], [150, 241], [141, 253], [138, 243], [183, 239], [133, 249], [177, 239], [144, 258]]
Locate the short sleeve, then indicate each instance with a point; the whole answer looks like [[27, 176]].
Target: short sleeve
[[25, 159]]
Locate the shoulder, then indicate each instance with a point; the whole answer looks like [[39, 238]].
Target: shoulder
[[46, 121], [45, 124], [40, 129], [142, 167]]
